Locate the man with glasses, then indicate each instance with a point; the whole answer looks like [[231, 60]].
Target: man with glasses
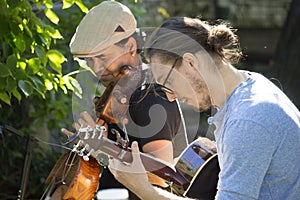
[[257, 127]]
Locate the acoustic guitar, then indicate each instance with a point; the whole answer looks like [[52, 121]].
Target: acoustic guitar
[[195, 173]]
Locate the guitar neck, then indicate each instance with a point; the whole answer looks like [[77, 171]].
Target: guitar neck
[[153, 165]]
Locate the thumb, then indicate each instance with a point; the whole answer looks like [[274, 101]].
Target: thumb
[[135, 152], [135, 147]]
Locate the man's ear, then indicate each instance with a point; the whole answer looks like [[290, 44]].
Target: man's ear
[[131, 46], [190, 60]]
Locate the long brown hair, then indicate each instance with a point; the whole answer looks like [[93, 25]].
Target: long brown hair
[[179, 35]]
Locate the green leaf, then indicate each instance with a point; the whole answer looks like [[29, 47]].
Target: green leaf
[[22, 65], [10, 83], [56, 66], [56, 56], [40, 92], [41, 54], [55, 34], [7, 50], [64, 89], [13, 3], [28, 31], [33, 65], [4, 70], [163, 12], [73, 85], [48, 84], [55, 60], [11, 61], [2, 83], [5, 97], [48, 3], [4, 24], [39, 51], [19, 75], [67, 3], [26, 87], [20, 43], [82, 63], [51, 16], [76, 86], [17, 94], [82, 7], [38, 83], [67, 82]]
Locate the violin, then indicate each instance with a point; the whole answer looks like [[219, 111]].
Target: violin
[[110, 108]]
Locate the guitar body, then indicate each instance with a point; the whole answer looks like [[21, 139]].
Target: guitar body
[[199, 165], [85, 183]]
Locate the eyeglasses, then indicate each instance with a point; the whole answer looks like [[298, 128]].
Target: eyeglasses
[[164, 88], [169, 73]]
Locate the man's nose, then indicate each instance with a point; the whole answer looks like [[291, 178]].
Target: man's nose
[[98, 69], [97, 65]]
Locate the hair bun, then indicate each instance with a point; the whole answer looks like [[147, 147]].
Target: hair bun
[[221, 36]]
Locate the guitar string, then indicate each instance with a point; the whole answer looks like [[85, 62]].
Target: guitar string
[[63, 145]]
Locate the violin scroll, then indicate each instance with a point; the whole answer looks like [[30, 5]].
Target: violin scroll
[[112, 106]]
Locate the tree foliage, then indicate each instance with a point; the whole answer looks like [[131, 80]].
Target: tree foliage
[[36, 82], [32, 59], [30, 64]]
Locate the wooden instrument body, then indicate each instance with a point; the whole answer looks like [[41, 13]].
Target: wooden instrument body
[[199, 165], [85, 183]]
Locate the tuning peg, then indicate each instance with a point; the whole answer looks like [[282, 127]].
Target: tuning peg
[[86, 131], [86, 157], [75, 146], [94, 133], [101, 130], [81, 152]]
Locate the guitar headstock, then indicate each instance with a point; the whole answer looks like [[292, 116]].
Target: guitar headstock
[[88, 140], [92, 143]]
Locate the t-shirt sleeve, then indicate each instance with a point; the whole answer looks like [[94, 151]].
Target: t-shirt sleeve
[[153, 117]]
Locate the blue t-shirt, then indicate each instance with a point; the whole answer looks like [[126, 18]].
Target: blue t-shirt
[[258, 140]]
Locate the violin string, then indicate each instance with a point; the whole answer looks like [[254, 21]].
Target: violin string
[[48, 188], [68, 166], [53, 183]]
